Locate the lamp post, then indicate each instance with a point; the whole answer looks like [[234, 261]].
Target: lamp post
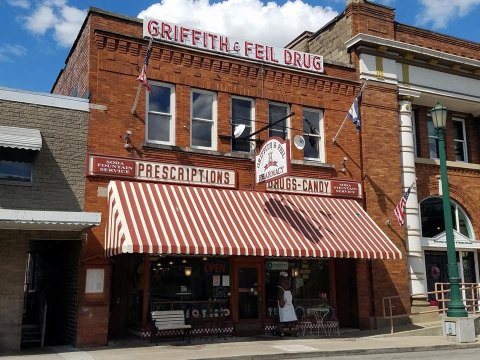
[[455, 306]]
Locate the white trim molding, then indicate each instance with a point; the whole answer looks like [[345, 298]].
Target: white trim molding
[[53, 100], [48, 220]]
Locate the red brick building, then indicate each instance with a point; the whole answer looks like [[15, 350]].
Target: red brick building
[[409, 70], [184, 223]]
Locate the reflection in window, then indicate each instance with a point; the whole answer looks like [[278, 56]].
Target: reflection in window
[[432, 139], [275, 113], [205, 289], [433, 222], [161, 104], [242, 113], [203, 107], [460, 145], [16, 165], [312, 124]]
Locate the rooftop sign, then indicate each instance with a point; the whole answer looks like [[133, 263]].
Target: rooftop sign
[[204, 40]]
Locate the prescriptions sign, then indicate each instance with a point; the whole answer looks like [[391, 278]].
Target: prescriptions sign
[[205, 40]]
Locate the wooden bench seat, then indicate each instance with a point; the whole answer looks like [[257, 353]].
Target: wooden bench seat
[[169, 320]]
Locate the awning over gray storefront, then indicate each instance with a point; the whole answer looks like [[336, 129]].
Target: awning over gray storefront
[[20, 138], [47, 220]]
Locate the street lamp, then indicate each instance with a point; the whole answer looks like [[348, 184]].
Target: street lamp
[[455, 306]]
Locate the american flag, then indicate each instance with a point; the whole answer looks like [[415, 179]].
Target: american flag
[[354, 112], [399, 211], [143, 74]]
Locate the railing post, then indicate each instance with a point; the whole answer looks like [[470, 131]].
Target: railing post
[[391, 315]]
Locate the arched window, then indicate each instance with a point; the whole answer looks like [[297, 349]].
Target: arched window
[[431, 211]]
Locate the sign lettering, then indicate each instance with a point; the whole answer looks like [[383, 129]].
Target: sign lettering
[[183, 35], [311, 186], [273, 160], [153, 171]]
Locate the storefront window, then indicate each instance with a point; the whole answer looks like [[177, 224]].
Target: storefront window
[[198, 285], [310, 284]]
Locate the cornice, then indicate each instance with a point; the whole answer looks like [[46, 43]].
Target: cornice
[[136, 48], [404, 48]]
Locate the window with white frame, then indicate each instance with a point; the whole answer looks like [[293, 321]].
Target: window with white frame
[[459, 139], [243, 113], [432, 139], [312, 132], [161, 114], [276, 112], [204, 117]]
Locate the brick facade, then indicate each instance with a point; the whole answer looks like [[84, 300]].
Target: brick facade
[[58, 185], [59, 169], [382, 169], [116, 55]]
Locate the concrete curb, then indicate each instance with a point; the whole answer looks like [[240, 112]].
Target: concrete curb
[[314, 354]]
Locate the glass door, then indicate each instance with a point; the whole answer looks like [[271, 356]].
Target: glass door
[[248, 299], [248, 296]]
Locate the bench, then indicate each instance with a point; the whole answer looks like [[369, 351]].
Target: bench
[[169, 320]]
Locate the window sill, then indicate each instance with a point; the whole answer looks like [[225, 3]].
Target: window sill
[[16, 183], [236, 155], [453, 164], [315, 163], [198, 151]]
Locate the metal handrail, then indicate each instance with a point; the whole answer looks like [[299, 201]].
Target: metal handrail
[[470, 297]]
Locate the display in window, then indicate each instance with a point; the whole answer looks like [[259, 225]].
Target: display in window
[[286, 311]]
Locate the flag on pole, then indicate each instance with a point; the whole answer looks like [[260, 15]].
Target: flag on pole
[[143, 74], [354, 112], [400, 211]]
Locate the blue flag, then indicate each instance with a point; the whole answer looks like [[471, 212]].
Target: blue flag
[[354, 112]]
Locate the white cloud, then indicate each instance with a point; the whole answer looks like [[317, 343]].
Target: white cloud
[[24, 4], [42, 19], [440, 12], [9, 51], [267, 23], [55, 15], [66, 30], [385, 2]]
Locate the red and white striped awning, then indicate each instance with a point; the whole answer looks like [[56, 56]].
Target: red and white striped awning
[[174, 219]]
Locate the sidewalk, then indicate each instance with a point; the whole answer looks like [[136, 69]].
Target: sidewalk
[[268, 348]]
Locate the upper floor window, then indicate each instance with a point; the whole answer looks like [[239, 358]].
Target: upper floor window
[[459, 140], [243, 113], [276, 112], [433, 223], [432, 139], [204, 117], [416, 143], [161, 114], [313, 131], [16, 165]]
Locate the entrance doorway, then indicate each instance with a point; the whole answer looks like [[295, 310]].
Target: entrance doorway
[[437, 270], [248, 297]]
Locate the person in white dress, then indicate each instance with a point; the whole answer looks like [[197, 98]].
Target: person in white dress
[[286, 311]]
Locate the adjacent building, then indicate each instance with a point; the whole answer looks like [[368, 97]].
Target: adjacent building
[[42, 219], [409, 70]]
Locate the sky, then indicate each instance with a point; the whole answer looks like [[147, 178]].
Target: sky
[[36, 36]]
